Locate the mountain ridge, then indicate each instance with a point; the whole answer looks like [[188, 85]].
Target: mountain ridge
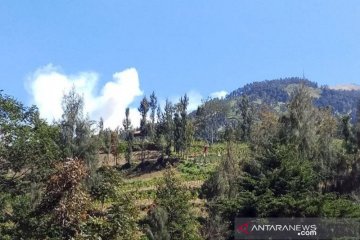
[[273, 92]]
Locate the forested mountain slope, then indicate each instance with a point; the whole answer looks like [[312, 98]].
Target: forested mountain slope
[[214, 114], [276, 92]]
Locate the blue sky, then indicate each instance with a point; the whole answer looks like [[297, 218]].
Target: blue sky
[[200, 46]]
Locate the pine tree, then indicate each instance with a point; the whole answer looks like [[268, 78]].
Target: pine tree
[[160, 132], [245, 109], [224, 181], [299, 126], [153, 106], [115, 144], [326, 156], [182, 127], [168, 126], [129, 136], [157, 224], [101, 134], [348, 135], [172, 211], [265, 133], [143, 109], [177, 133]]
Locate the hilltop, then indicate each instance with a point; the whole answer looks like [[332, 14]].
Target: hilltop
[[276, 92], [214, 114]]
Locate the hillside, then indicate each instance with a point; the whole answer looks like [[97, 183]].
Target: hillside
[[67, 180], [212, 116], [276, 92]]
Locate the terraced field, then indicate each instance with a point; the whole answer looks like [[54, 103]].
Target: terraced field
[[193, 172]]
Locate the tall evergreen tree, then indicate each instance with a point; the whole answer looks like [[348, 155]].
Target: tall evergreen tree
[[168, 126], [129, 136], [160, 132], [172, 217], [347, 134], [153, 106], [143, 109], [181, 125], [246, 111], [101, 134], [299, 125], [177, 133], [115, 144], [326, 156]]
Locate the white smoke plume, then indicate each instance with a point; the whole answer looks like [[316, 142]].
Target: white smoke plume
[[48, 85], [219, 94]]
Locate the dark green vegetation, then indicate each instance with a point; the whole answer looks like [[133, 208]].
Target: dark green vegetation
[[271, 149], [277, 92]]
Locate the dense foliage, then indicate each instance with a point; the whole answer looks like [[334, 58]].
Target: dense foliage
[[295, 168], [171, 216], [270, 149], [273, 92]]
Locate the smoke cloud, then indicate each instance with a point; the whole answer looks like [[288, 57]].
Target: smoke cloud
[[48, 84]]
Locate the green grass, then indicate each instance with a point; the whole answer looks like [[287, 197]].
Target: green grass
[[198, 169], [137, 184]]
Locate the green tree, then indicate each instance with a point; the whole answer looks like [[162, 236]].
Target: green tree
[[177, 133], [265, 133], [168, 126], [223, 182], [63, 205], [209, 118], [299, 125], [153, 106], [347, 132], [27, 144], [160, 132], [284, 178], [72, 105], [115, 144], [245, 109], [182, 129], [172, 211], [189, 136], [119, 220], [106, 183], [157, 224], [28, 149], [123, 218], [357, 126], [326, 151], [215, 228], [143, 109], [107, 142], [101, 134], [78, 138], [129, 136]]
